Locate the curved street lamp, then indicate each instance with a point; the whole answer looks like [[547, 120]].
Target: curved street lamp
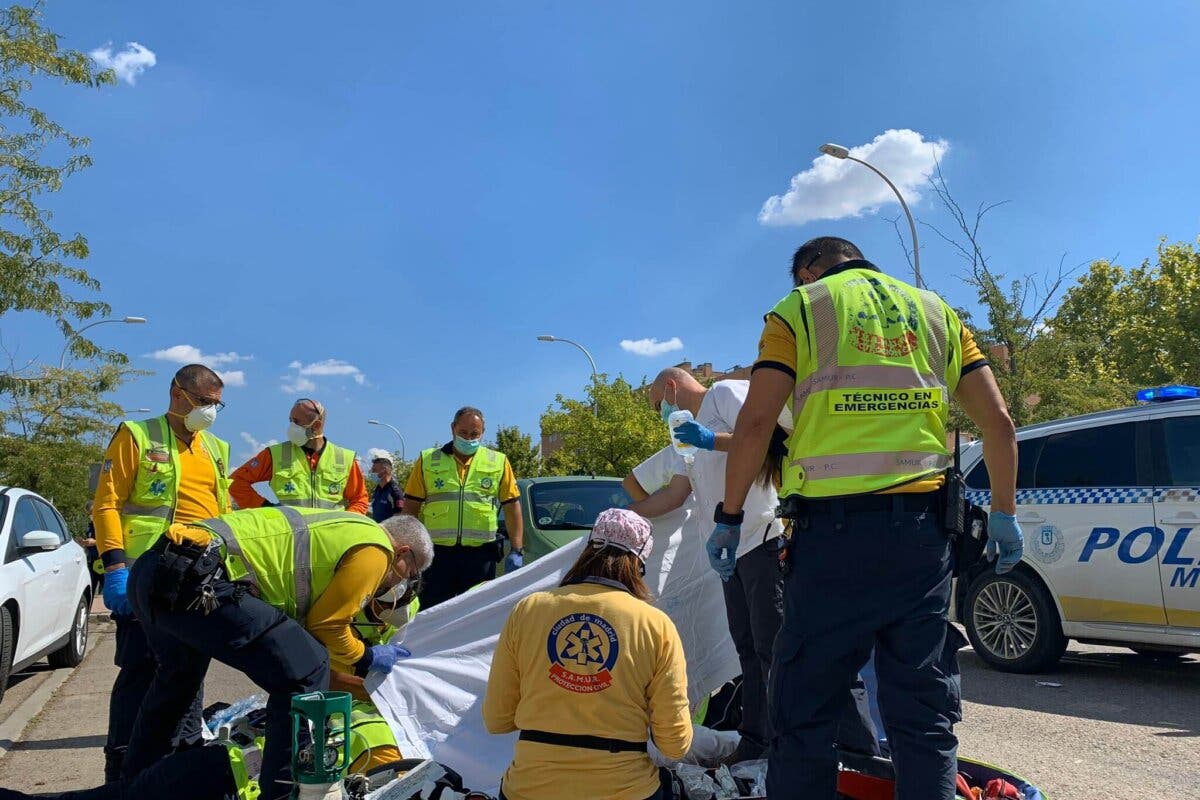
[[548, 338], [843, 153], [62, 361], [395, 430]]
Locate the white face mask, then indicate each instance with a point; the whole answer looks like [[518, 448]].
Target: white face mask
[[297, 434], [200, 418], [391, 611]]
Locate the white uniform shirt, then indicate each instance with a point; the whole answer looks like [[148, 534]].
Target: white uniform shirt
[[718, 412]]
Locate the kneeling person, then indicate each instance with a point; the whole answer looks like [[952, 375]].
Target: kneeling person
[[252, 589]]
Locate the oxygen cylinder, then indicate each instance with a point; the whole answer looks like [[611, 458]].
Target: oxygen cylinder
[[320, 749]]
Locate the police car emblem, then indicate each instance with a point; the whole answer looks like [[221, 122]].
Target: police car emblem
[[486, 483], [583, 649], [1048, 546]]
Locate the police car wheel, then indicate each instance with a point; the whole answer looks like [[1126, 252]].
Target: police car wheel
[[71, 654], [1012, 623]]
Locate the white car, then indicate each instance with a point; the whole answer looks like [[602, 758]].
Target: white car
[[45, 588], [1109, 504]]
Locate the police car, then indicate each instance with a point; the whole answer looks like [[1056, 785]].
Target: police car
[[1109, 504]]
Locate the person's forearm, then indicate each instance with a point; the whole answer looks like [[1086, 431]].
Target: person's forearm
[[1000, 457], [514, 524], [722, 441], [751, 437], [633, 489]]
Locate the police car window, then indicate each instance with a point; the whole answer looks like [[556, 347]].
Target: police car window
[[1100, 456], [1028, 451], [1182, 436]]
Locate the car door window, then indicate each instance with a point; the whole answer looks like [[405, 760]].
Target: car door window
[[1028, 451], [25, 519], [1099, 456], [1182, 440], [52, 522]]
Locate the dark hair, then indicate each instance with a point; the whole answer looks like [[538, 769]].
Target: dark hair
[[772, 468], [808, 253], [195, 377], [612, 563], [467, 410]]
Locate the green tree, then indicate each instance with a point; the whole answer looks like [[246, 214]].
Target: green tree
[[621, 432], [1134, 327], [54, 428], [523, 454], [38, 265]]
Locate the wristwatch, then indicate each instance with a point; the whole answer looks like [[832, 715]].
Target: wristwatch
[[721, 518]]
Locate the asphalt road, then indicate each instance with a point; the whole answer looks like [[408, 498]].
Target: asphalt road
[[1118, 727]]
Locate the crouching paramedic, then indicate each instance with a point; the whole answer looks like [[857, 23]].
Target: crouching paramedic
[[584, 670], [252, 589]]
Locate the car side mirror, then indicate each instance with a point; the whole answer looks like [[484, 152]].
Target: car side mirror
[[39, 540]]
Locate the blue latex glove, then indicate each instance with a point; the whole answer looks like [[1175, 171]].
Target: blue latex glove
[[1005, 542], [513, 562], [115, 595], [385, 656], [696, 435], [722, 548]]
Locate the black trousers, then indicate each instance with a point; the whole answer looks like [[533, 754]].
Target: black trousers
[[272, 650], [457, 568], [861, 580], [202, 773], [136, 665]]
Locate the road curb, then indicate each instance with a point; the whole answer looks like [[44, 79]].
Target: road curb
[[12, 728]]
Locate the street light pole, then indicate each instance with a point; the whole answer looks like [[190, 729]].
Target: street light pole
[[62, 361], [840, 152], [396, 431], [592, 361]]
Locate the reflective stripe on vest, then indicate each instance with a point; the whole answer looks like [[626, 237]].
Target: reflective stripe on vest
[[289, 555], [299, 485], [876, 365], [150, 508], [368, 731], [462, 511]]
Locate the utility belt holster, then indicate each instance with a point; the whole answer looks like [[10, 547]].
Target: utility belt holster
[[965, 522], [184, 576]]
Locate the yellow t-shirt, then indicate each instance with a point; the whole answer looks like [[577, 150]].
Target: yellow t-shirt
[[777, 349], [507, 491], [593, 660], [197, 498]]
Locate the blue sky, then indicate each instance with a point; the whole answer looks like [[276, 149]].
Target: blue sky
[[415, 192]]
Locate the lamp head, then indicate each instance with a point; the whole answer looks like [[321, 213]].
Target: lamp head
[[835, 150], [373, 422], [545, 338], [134, 320]]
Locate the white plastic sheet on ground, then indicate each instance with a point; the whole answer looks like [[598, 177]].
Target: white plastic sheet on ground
[[432, 701]]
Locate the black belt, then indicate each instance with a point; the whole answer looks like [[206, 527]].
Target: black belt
[[580, 740], [911, 502]]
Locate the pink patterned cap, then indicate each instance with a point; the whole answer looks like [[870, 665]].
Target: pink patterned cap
[[625, 530]]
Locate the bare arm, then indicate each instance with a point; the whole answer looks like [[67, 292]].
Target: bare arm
[[769, 391], [981, 399], [514, 524], [666, 499], [633, 488], [722, 442]]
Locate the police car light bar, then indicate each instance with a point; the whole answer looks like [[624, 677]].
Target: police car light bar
[[1161, 394]]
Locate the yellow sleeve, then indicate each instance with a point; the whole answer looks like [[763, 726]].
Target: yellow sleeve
[[354, 582], [182, 533], [415, 487], [117, 475], [504, 681], [508, 484], [777, 346], [670, 722], [971, 353]]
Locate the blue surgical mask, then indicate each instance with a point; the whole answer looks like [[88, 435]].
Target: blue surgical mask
[[467, 447], [667, 409]]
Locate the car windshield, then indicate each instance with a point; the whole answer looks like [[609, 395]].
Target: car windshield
[[573, 505]]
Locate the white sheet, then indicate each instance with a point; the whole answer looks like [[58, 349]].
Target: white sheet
[[432, 700]]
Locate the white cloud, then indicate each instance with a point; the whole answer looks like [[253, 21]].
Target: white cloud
[[254, 446], [128, 63], [837, 188], [330, 366], [190, 354], [234, 378], [651, 347], [297, 385]]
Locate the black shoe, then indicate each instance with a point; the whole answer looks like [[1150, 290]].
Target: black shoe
[[747, 750]]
